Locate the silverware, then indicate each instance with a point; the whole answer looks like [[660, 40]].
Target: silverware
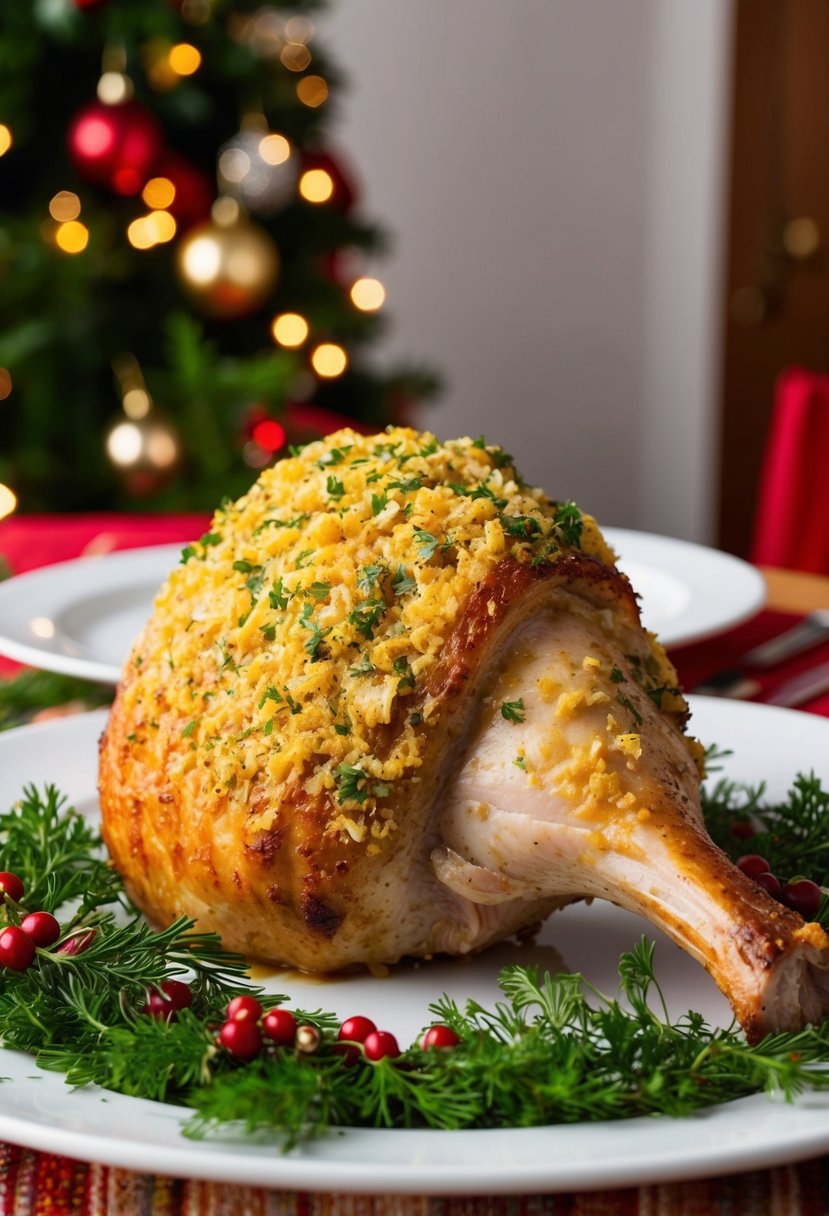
[[801, 688], [736, 681]]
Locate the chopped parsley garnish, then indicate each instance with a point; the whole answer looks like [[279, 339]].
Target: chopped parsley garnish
[[379, 502], [334, 456], [270, 694], [522, 526], [318, 591], [189, 728], [408, 486], [303, 558], [278, 597], [312, 646], [426, 543], [513, 711], [205, 542], [364, 668], [335, 488], [297, 522], [401, 668], [293, 705], [369, 576], [628, 704], [268, 632], [568, 522], [366, 616], [520, 761], [617, 675], [402, 582], [355, 785]]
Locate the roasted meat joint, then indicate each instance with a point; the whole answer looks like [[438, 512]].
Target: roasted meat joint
[[398, 703]]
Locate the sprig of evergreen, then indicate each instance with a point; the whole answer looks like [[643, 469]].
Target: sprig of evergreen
[[553, 1050]]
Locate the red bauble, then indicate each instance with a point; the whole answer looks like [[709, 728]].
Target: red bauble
[[84, 5], [115, 147], [194, 190], [345, 191]]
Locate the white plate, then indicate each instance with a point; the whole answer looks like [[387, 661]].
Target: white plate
[[688, 592], [37, 1109], [80, 617]]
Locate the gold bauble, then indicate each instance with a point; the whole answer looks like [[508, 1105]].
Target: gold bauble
[[144, 451], [228, 270]]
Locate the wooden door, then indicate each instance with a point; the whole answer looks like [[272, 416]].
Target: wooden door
[[777, 297]]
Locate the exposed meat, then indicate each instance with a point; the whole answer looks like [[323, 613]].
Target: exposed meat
[[408, 707]]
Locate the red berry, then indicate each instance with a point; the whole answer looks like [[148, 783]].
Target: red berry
[[242, 1038], [41, 927], [769, 883], [356, 1029], [177, 993], [752, 864], [11, 885], [17, 950], [439, 1036], [243, 1009], [353, 1030], [280, 1026], [379, 1044], [166, 1000], [802, 896]]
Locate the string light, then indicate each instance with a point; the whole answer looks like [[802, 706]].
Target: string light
[[274, 149], [8, 500], [368, 294], [184, 59], [290, 329], [136, 403], [299, 29], [5, 139], [158, 193], [124, 443], [65, 206], [5, 383], [316, 186], [312, 91], [329, 360], [72, 237]]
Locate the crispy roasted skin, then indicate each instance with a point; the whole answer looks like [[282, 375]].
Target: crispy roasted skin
[[468, 846]]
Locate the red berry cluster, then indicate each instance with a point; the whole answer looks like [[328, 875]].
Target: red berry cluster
[[19, 942], [247, 1025], [801, 894]]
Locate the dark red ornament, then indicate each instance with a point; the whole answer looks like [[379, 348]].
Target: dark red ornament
[[115, 147], [803, 896], [753, 864], [86, 5], [194, 195], [344, 195]]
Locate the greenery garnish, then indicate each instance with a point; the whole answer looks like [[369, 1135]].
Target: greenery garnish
[[554, 1050]]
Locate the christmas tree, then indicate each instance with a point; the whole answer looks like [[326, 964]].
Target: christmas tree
[[181, 252]]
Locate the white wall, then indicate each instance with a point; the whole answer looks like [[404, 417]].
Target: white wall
[[521, 154]]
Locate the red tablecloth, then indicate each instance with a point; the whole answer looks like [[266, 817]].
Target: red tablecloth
[[39, 1184]]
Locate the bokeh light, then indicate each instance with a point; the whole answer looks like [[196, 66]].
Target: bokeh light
[[184, 59], [329, 360], [64, 206], [8, 500], [295, 57], [6, 383], [72, 237], [312, 91], [368, 294], [5, 139], [274, 149], [290, 329], [114, 88], [269, 434], [158, 193], [316, 186]]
